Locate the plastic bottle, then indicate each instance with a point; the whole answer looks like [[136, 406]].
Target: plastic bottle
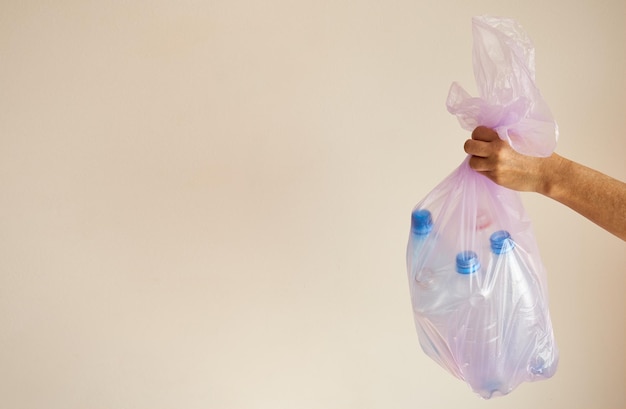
[[428, 269], [427, 262], [525, 328], [474, 328], [421, 227]]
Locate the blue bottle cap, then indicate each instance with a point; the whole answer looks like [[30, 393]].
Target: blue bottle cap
[[501, 242], [421, 222], [467, 262]]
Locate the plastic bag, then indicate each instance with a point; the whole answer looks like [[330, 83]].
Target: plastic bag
[[509, 102], [477, 283]]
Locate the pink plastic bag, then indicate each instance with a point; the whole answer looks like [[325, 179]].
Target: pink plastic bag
[[478, 286], [509, 102]]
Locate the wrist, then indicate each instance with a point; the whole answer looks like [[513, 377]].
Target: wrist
[[553, 171]]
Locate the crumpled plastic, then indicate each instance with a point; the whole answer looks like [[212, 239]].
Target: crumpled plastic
[[478, 286], [509, 101]]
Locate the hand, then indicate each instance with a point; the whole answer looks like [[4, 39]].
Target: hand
[[598, 197], [494, 158]]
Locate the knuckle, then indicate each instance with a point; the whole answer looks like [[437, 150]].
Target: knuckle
[[499, 153], [496, 157], [483, 133], [477, 132]]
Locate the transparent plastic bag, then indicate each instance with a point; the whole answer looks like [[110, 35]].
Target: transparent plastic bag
[[509, 101], [477, 283]]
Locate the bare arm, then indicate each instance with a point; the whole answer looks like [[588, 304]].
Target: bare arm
[[594, 195]]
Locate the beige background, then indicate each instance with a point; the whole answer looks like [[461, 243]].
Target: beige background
[[205, 204]]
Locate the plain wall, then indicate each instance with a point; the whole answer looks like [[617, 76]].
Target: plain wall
[[205, 204]]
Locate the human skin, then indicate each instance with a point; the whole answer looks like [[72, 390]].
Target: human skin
[[594, 195]]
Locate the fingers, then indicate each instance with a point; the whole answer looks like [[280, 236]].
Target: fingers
[[478, 148], [483, 147], [480, 164], [482, 133]]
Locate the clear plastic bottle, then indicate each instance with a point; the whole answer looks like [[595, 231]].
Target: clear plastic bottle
[[427, 262], [525, 330], [428, 271], [474, 328], [421, 227]]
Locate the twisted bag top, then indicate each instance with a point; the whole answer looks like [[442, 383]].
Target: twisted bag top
[[508, 101]]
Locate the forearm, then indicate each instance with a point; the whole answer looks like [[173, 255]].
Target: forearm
[[594, 195]]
